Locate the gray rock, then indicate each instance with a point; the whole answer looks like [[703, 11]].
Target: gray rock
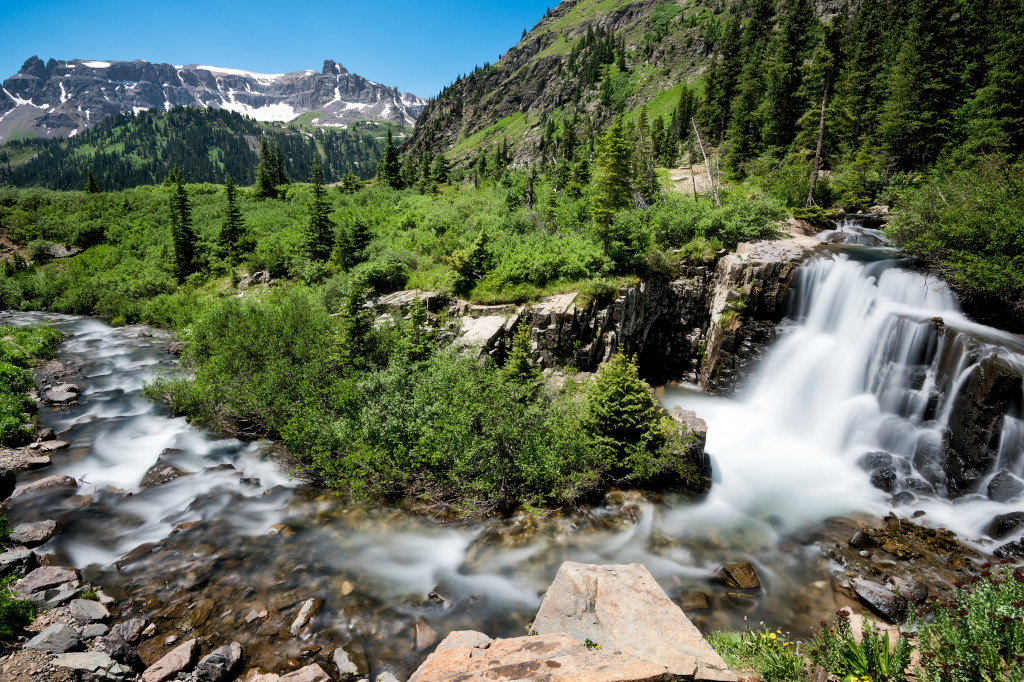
[[160, 473], [881, 600], [45, 433], [221, 664], [117, 648], [62, 597], [45, 577], [862, 540], [350, 666], [60, 397], [741, 575], [94, 666], [48, 483], [177, 347], [94, 630], [1004, 487], [386, 677], [1005, 524], [54, 445], [130, 630], [17, 562], [622, 607], [309, 608], [34, 534], [57, 638], [912, 590], [88, 611], [61, 251], [884, 478], [1010, 550], [875, 460]]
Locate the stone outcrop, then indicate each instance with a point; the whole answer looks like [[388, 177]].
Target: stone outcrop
[[596, 624]]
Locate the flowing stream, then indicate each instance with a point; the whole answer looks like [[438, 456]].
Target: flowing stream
[[230, 550]]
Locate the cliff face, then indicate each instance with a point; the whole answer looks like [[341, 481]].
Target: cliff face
[[62, 98]]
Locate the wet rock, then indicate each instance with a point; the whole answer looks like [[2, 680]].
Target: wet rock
[[881, 600], [88, 611], [919, 486], [249, 481], [62, 597], [34, 463], [350, 665], [57, 638], [1004, 487], [94, 665], [160, 473], [134, 555], [130, 630], [54, 445], [912, 590], [309, 608], [622, 607], [17, 562], [693, 601], [424, 636], [387, 677], [976, 422], [1010, 550], [45, 433], [34, 534], [181, 659], [311, 673], [176, 347], [115, 646], [201, 613], [872, 461], [1005, 524], [903, 498], [741, 575], [554, 657], [94, 630], [884, 479], [8, 481], [48, 483], [221, 664], [44, 578], [60, 397], [862, 540]]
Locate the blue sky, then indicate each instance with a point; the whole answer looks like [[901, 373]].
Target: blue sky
[[417, 46]]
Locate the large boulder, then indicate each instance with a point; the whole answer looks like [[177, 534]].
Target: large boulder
[[311, 673], [160, 473], [1005, 524], [48, 483], [17, 562], [94, 665], [44, 578], [1004, 487], [473, 657], [623, 608], [88, 611], [881, 600], [975, 424], [115, 646]]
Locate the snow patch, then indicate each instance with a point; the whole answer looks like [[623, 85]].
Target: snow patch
[[96, 65], [73, 133], [261, 77], [137, 110], [270, 112], [356, 105], [19, 101], [63, 93]]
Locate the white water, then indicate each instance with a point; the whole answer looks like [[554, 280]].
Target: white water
[[857, 370]]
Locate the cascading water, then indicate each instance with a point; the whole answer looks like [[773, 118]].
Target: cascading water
[[862, 366], [853, 403]]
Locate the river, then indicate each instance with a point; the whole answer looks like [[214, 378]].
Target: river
[[230, 550]]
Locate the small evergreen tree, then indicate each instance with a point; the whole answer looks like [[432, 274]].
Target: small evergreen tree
[[613, 189], [265, 187], [319, 228], [518, 369], [183, 236], [90, 183], [231, 227], [389, 172]]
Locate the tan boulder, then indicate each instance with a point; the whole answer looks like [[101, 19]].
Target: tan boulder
[[623, 608], [181, 659], [471, 656]]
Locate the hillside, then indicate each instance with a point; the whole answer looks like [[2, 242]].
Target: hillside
[[63, 98], [127, 150]]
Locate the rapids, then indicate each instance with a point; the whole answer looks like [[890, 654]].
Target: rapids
[[855, 370]]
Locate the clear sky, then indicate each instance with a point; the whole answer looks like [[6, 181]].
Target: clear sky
[[416, 45]]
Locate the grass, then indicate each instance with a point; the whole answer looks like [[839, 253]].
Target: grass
[[509, 127]]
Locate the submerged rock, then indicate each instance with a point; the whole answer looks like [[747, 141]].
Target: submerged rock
[[1004, 487], [741, 575], [160, 473], [50, 482], [221, 664], [1005, 524], [311, 673]]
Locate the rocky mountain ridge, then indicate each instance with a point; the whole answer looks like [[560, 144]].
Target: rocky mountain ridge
[[62, 98]]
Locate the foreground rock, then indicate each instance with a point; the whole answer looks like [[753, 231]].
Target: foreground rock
[[44, 578], [94, 665], [56, 639], [622, 607], [34, 534], [467, 656], [221, 664], [179, 660], [48, 483]]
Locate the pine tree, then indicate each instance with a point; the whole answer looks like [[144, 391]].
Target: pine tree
[[231, 227], [790, 46], [644, 160], [613, 190], [183, 237], [90, 184], [389, 172], [998, 107], [722, 82], [265, 187], [518, 369], [619, 412], [319, 228]]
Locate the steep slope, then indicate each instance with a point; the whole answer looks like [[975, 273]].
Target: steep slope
[[585, 60], [63, 98]]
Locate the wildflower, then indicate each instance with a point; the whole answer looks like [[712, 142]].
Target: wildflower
[[773, 636]]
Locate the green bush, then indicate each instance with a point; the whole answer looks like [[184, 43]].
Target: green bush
[[875, 658], [978, 634], [14, 613], [772, 655]]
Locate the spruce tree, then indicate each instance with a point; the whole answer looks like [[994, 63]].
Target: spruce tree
[[613, 189], [998, 107], [231, 227], [183, 237], [389, 172], [265, 187], [620, 414], [90, 183], [518, 368], [790, 45], [319, 228]]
